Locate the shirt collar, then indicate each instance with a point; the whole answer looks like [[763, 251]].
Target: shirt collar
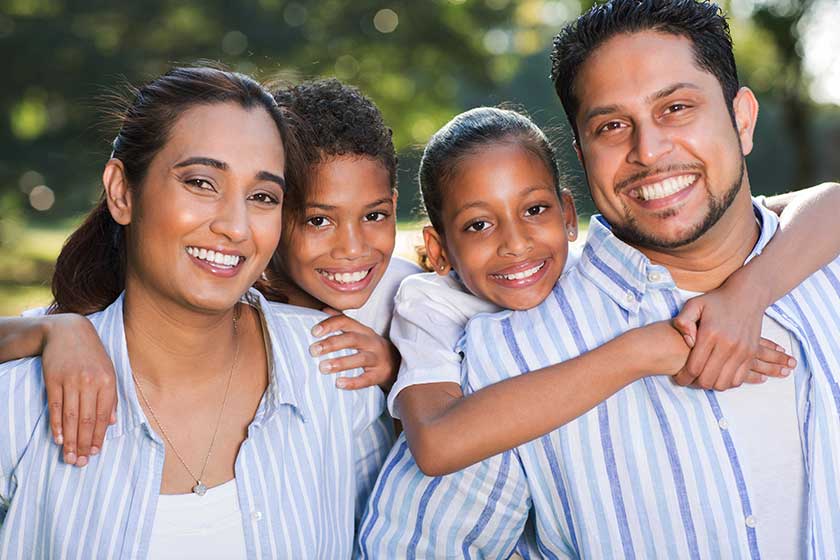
[[284, 383], [625, 274]]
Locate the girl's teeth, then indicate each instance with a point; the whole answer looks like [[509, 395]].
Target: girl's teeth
[[521, 275]]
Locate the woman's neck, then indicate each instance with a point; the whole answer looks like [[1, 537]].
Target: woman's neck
[[170, 346]]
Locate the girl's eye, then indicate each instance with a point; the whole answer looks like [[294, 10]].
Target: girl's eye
[[265, 198], [536, 210], [317, 221], [375, 216], [202, 184], [477, 226]]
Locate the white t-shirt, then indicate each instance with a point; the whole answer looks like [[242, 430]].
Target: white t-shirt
[[762, 421], [191, 526], [430, 315], [377, 311]]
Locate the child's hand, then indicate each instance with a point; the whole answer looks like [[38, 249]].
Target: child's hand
[[724, 331], [374, 354], [81, 388]]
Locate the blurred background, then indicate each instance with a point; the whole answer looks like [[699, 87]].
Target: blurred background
[[421, 62]]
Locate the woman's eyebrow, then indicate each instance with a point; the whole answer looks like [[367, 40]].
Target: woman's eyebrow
[[199, 160]]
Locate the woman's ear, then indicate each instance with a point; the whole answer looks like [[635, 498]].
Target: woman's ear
[[117, 193], [570, 217], [435, 251]]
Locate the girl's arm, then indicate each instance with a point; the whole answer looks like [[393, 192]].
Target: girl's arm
[[447, 432], [808, 238], [78, 374]]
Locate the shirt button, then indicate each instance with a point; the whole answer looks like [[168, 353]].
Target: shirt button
[[723, 424], [654, 277], [750, 521], [256, 516], [630, 296]]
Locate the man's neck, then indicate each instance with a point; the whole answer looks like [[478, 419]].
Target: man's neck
[[706, 263]]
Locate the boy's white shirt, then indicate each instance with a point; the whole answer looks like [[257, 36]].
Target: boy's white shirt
[[430, 315], [377, 311]]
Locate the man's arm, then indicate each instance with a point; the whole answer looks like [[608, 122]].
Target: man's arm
[[477, 512]]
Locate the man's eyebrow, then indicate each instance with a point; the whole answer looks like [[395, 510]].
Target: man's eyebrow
[[209, 162], [598, 111]]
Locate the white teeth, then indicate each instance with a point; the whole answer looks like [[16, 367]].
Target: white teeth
[[664, 188], [521, 275], [346, 277], [217, 258]]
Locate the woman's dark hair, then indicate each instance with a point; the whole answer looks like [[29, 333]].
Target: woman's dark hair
[[335, 119], [701, 22], [90, 270], [467, 134]]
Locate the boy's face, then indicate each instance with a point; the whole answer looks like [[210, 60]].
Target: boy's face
[[662, 157], [342, 242], [506, 229]]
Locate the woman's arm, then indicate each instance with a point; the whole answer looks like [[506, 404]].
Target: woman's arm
[[808, 238], [78, 374]]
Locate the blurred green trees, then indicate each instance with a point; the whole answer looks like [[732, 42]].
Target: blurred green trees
[[421, 61]]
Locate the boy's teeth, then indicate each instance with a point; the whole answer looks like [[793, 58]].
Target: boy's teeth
[[346, 277], [664, 188], [216, 258], [522, 275]]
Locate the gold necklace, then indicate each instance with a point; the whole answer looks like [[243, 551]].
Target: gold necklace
[[200, 488]]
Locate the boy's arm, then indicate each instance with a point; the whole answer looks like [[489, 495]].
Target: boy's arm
[[808, 238]]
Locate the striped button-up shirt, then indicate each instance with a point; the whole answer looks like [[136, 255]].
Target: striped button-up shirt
[[303, 474], [653, 471]]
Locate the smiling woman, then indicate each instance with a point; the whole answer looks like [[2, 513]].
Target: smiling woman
[[190, 216]]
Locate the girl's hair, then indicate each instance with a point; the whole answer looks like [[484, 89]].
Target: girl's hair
[[464, 136], [90, 270]]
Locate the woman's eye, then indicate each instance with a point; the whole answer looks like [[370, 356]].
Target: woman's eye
[[265, 198], [375, 216], [536, 210], [480, 225], [317, 221], [202, 184]]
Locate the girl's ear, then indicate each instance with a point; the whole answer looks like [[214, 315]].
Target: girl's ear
[[117, 193], [435, 251], [570, 218]]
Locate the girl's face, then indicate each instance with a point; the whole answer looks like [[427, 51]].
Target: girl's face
[[205, 222], [341, 243], [506, 231]]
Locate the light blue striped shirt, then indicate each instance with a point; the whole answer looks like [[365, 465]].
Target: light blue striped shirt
[[303, 474], [653, 472]]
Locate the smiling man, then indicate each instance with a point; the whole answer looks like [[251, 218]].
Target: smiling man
[[662, 130]]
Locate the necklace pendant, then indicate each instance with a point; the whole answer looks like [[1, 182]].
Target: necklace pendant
[[199, 488]]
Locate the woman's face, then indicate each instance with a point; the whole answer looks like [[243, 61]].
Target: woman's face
[[207, 218], [341, 243]]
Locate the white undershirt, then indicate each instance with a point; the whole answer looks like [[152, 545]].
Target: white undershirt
[[762, 421], [191, 526]]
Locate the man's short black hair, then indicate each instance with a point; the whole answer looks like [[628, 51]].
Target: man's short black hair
[[335, 119], [701, 22]]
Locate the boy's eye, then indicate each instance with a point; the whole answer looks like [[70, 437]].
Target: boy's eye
[[479, 225], [375, 216], [536, 210], [317, 221]]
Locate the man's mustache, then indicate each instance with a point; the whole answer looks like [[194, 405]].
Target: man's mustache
[[644, 174]]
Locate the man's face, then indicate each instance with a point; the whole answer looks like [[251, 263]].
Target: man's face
[[663, 159]]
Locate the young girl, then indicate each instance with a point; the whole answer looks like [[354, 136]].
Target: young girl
[[499, 239], [335, 252]]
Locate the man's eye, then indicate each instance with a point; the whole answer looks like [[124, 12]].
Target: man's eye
[[265, 198], [676, 107], [480, 225], [610, 126]]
